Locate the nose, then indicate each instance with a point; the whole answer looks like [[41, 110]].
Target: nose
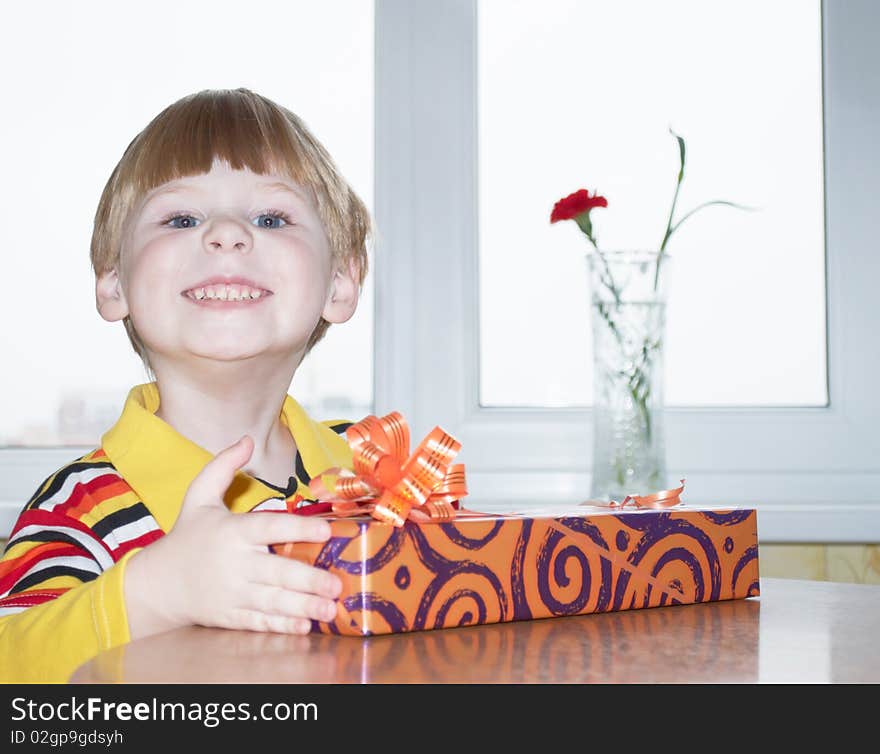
[[226, 233]]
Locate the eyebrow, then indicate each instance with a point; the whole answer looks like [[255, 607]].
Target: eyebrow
[[274, 187]]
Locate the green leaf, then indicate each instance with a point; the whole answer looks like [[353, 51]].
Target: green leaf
[[681, 153], [709, 204]]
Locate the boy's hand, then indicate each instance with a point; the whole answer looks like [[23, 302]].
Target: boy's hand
[[213, 568]]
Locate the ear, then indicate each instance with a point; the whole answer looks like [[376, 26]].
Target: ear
[[342, 299], [109, 297]]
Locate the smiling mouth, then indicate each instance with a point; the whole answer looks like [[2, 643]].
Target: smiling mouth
[[232, 292]]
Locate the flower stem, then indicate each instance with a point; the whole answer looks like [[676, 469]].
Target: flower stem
[[638, 378], [638, 381], [669, 228]]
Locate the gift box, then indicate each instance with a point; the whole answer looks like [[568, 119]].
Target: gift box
[[411, 558], [496, 568]]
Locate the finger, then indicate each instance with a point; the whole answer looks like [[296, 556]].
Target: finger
[[253, 620], [278, 571], [273, 600], [269, 528], [216, 476]]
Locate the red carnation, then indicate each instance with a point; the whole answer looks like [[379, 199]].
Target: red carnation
[[577, 207], [575, 204]]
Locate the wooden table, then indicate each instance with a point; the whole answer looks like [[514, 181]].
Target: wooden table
[[796, 631]]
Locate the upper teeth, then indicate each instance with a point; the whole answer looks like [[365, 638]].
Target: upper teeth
[[234, 292]]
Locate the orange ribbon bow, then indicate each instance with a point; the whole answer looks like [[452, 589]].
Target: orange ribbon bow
[[389, 483]]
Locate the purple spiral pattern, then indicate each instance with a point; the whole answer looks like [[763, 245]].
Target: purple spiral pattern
[[375, 603], [620, 592], [330, 554], [470, 543], [445, 571], [686, 557], [467, 618], [582, 526], [747, 557], [655, 528], [521, 608], [727, 519], [546, 556]]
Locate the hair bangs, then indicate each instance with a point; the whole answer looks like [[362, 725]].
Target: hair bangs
[[233, 126]]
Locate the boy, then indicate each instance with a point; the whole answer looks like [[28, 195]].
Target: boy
[[227, 243]]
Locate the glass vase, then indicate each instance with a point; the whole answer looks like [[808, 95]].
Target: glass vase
[[628, 292]]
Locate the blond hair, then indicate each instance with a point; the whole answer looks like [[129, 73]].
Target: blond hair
[[245, 130]]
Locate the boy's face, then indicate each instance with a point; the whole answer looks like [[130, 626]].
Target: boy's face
[[224, 225]]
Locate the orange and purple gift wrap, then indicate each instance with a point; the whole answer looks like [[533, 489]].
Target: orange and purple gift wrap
[[410, 560]]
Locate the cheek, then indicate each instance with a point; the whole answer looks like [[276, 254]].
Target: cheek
[[150, 290], [307, 281]]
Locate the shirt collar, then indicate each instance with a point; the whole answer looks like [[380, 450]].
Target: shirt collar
[[159, 463]]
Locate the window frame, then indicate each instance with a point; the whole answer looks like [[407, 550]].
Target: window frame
[[810, 472]]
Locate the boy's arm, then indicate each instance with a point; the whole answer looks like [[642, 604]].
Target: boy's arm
[[61, 598]]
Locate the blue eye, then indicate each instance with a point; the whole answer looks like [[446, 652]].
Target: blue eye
[[272, 215], [189, 218]]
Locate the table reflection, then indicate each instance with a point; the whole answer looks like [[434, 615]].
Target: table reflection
[[705, 643]]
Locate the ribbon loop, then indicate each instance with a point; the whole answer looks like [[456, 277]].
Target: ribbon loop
[[661, 499], [387, 481]]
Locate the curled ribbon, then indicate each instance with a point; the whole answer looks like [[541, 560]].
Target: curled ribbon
[[661, 499], [389, 483]]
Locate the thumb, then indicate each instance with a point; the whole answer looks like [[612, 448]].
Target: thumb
[[214, 479]]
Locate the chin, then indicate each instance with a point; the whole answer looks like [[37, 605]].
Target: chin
[[219, 352], [229, 355], [236, 352], [228, 347]]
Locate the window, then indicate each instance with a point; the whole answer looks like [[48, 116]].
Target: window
[[88, 84], [811, 469], [747, 287]]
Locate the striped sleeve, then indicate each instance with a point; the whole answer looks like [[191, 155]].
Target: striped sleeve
[[59, 560], [47, 554], [78, 524]]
